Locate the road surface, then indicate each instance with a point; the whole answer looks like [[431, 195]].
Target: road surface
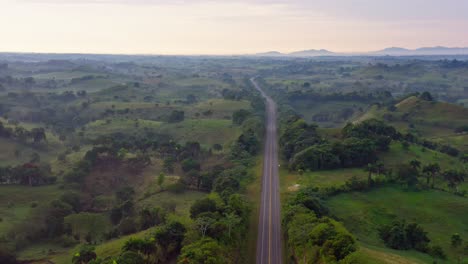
[[269, 225]]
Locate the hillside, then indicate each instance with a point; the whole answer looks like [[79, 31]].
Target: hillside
[[435, 121]]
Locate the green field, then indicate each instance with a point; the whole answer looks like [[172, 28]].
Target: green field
[[441, 214], [17, 202]]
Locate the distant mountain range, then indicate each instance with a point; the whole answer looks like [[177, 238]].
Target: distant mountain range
[[393, 51]]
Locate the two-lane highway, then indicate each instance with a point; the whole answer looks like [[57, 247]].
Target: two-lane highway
[[269, 225]]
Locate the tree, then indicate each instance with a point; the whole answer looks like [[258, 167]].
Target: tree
[[161, 179], [456, 240], [130, 257], [190, 164], [436, 251], [55, 214], [38, 134], [202, 206], [431, 171], [408, 174], [217, 147], [231, 220], [84, 255], [146, 247], [415, 164], [370, 168], [168, 164], [204, 251], [151, 217], [73, 199], [203, 222], [239, 116], [454, 178], [170, 237], [399, 235]]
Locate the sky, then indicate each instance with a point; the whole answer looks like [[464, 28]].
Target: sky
[[228, 27]]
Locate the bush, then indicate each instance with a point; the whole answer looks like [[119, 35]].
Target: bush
[[437, 252]]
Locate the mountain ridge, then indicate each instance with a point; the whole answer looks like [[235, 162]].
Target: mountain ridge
[[390, 51]]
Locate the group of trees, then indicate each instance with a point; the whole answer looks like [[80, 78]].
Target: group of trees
[[30, 174], [159, 247], [410, 173], [359, 145], [403, 236], [220, 225], [35, 135], [128, 219], [219, 222], [105, 156], [312, 236]]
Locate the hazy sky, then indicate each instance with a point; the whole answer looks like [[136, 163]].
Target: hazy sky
[[228, 27]]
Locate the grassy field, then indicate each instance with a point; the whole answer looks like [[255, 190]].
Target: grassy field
[[221, 109], [205, 131], [16, 202], [120, 125], [330, 108], [62, 75], [441, 214], [435, 121], [183, 201]]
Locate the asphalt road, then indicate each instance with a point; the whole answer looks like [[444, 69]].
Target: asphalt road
[[269, 224]]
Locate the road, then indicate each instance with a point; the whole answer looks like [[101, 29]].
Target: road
[[269, 224]]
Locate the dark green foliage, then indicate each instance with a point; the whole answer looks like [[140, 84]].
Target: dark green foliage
[[456, 240], [239, 116], [142, 246], [311, 200], [190, 164], [170, 237], [73, 199], [402, 236], [371, 128], [202, 206], [84, 255], [297, 136], [454, 178], [408, 174], [55, 214], [204, 251], [130, 257], [306, 150], [247, 142], [312, 237], [151, 217], [226, 183], [437, 252]]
